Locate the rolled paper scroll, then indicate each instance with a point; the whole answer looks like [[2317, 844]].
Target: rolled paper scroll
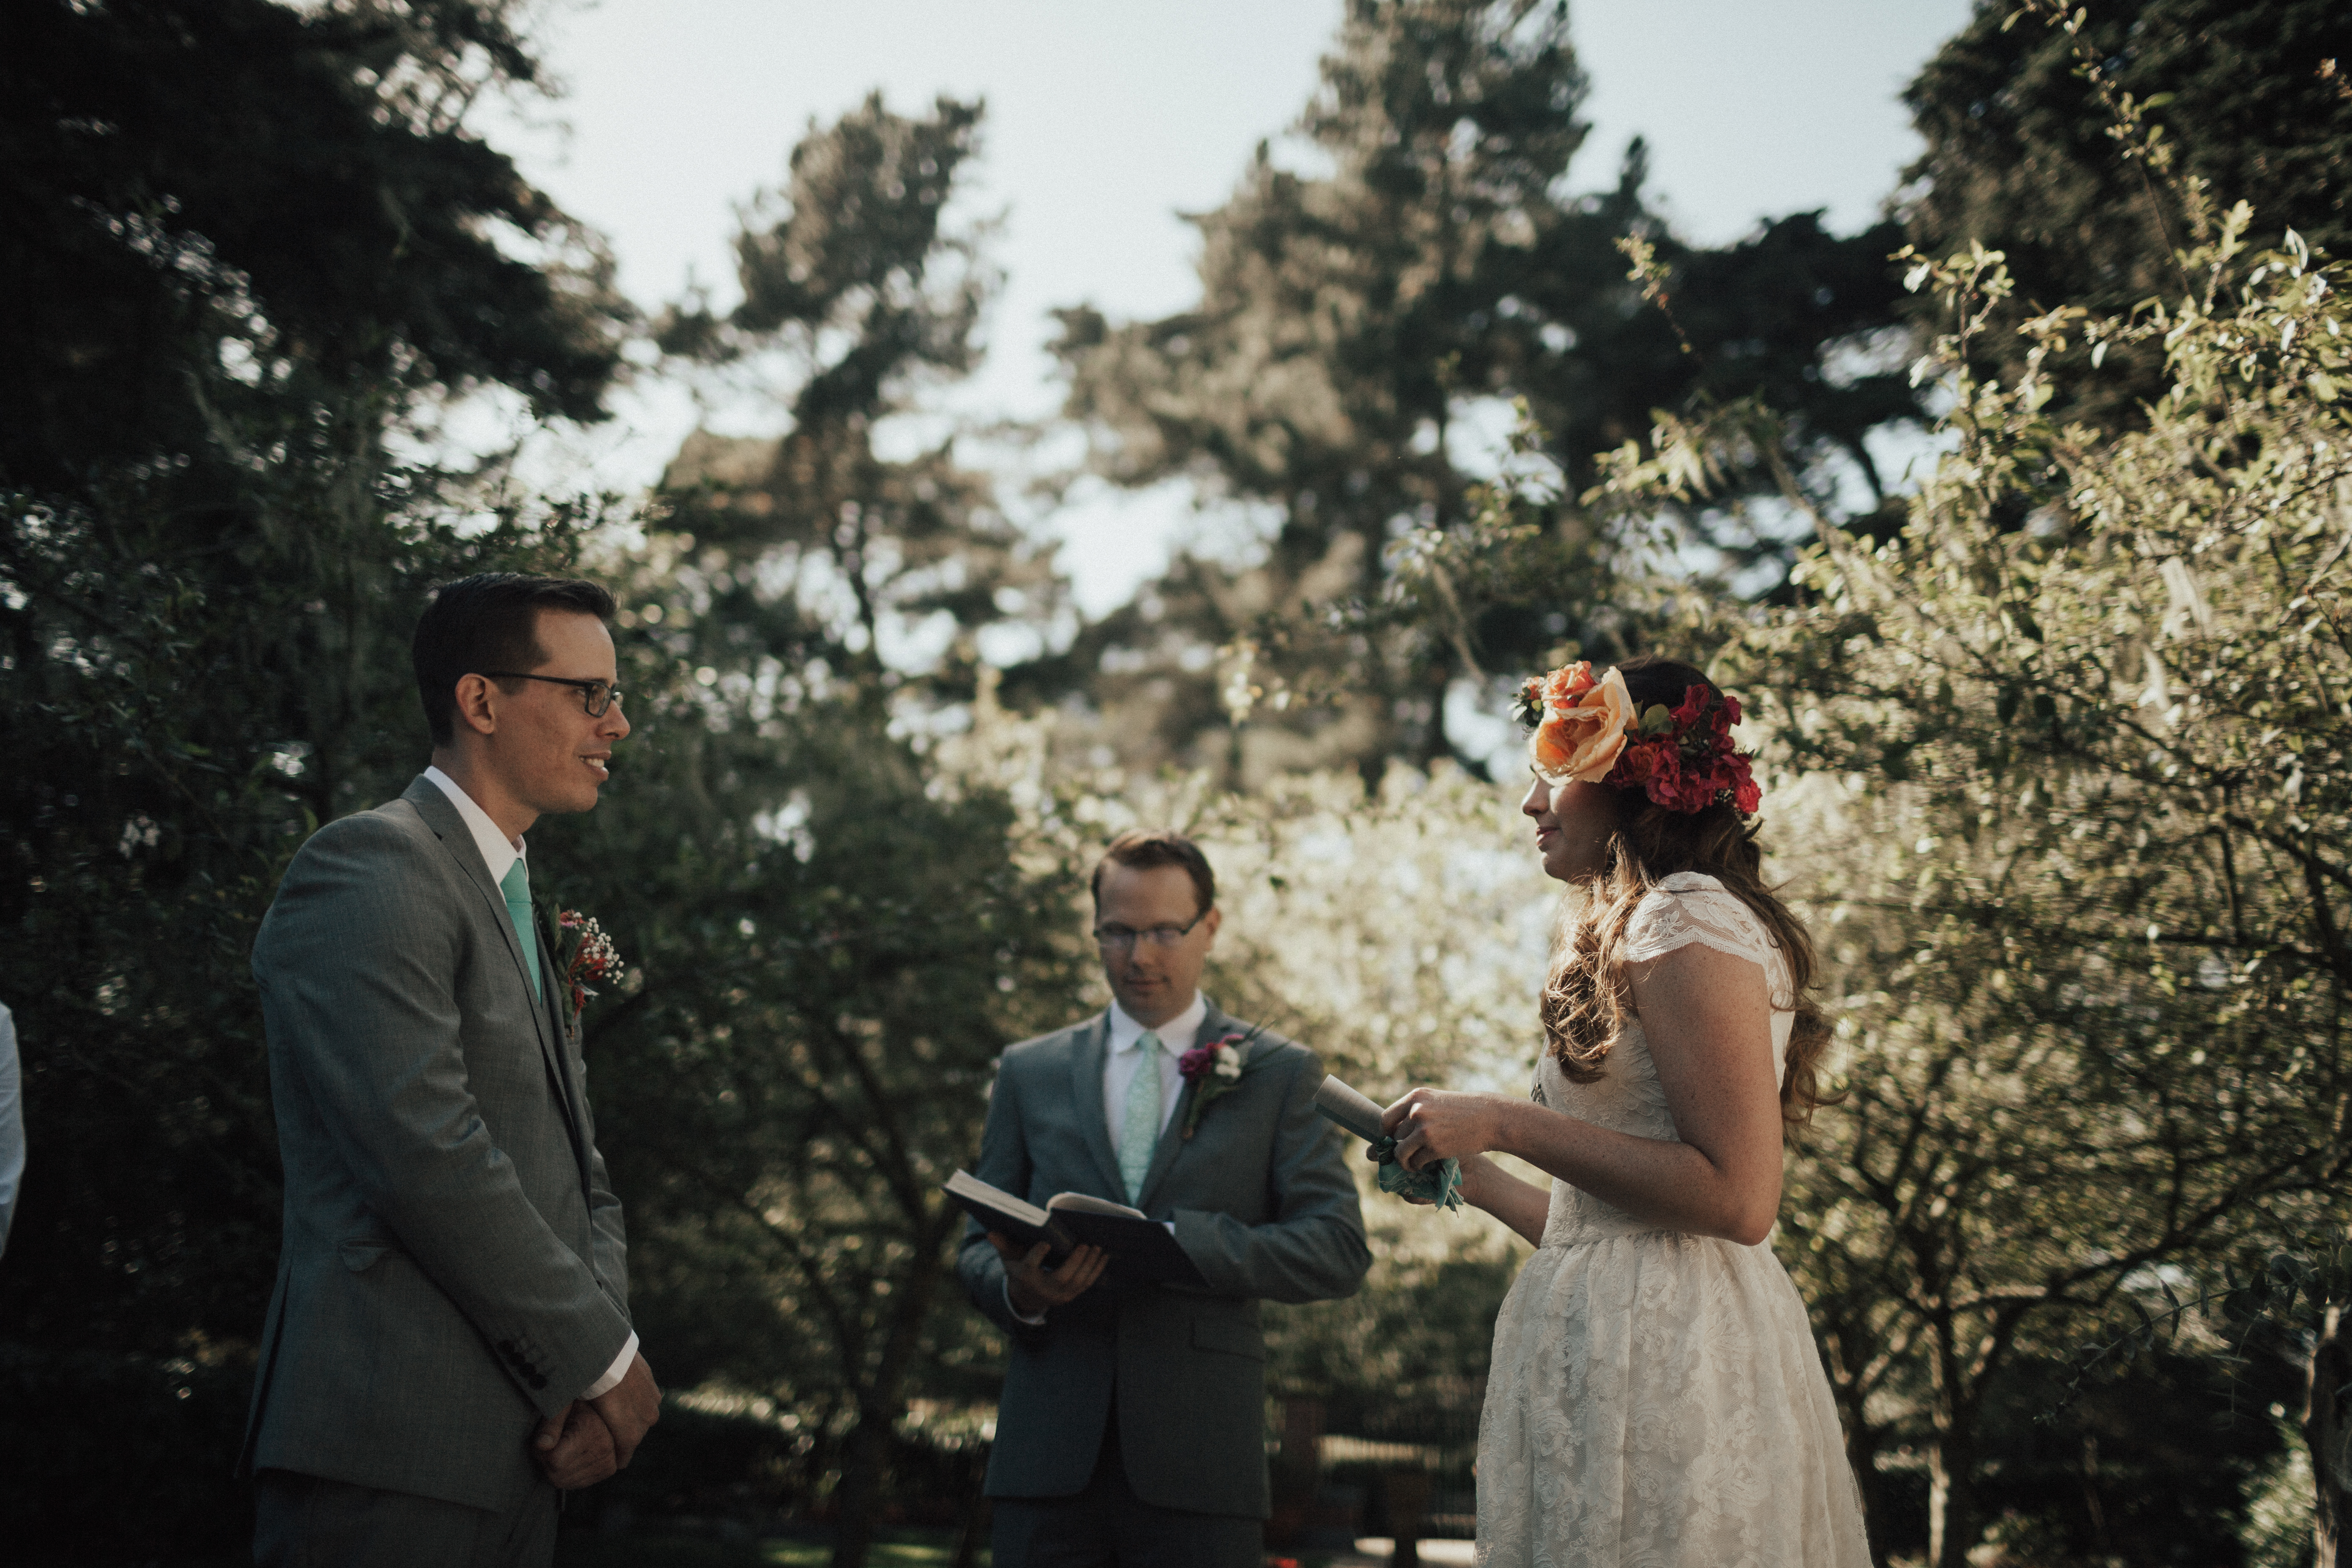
[[1438, 1183]]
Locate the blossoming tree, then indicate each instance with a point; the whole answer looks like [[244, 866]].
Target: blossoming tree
[[2078, 779]]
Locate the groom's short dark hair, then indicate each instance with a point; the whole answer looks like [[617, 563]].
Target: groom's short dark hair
[[489, 621], [1141, 849]]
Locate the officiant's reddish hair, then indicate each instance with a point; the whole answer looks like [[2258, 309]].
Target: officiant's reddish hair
[[489, 621], [1141, 849]]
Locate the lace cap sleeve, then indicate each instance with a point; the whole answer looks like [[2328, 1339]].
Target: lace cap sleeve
[[1689, 907]]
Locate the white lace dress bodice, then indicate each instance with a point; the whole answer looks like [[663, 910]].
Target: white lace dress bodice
[[1655, 1397], [1686, 908]]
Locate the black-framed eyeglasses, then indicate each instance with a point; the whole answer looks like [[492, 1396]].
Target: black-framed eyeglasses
[[596, 696], [1122, 939]]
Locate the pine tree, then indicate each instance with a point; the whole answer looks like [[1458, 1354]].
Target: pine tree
[[857, 299], [1348, 317]]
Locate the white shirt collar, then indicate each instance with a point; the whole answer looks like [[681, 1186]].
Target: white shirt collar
[[1176, 1034], [499, 852]]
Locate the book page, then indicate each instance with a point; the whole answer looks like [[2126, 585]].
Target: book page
[[965, 1184], [1085, 1204]]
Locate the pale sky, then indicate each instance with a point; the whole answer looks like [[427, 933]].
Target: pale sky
[[1104, 121]]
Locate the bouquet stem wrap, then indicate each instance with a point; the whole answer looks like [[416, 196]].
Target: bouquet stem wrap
[[1440, 1183]]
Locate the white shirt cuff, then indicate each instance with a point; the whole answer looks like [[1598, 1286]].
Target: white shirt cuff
[[612, 1379], [1036, 1322]]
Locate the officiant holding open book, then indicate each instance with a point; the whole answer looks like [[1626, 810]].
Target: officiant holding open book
[[1131, 1429]]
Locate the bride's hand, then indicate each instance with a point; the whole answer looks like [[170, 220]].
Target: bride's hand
[[1433, 1124]]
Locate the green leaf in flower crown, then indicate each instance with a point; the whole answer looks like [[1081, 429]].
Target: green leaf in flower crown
[[1658, 719]]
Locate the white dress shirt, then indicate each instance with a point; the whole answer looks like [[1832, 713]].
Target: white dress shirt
[[500, 853], [1121, 1062]]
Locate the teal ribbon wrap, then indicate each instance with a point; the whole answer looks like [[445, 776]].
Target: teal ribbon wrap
[[1440, 1183]]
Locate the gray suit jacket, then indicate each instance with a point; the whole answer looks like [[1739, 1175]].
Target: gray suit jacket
[[1263, 1204], [454, 1266]]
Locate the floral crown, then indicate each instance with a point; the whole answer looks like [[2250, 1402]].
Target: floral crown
[[1682, 757]]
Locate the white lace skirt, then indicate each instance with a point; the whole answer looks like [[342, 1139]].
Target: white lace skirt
[[1656, 1401]]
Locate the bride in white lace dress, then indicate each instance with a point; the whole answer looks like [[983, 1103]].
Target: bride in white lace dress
[[1655, 1398]]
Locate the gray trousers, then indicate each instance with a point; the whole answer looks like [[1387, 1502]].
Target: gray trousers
[[308, 1521], [1108, 1526]]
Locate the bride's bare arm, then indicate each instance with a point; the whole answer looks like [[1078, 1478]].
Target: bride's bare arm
[[1520, 1204], [1708, 1021]]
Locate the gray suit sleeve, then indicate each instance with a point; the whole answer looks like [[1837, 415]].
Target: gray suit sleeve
[[1004, 1162], [1313, 1249], [357, 975], [609, 1235], [11, 1125]]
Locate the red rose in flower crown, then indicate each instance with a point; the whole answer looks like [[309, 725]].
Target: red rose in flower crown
[[1682, 758]]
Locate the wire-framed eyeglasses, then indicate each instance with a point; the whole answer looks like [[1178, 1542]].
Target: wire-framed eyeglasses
[[1122, 939], [596, 696]]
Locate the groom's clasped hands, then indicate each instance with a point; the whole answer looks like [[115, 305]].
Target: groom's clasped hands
[[594, 1437]]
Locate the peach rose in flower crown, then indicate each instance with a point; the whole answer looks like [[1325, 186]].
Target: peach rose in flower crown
[[1582, 735]]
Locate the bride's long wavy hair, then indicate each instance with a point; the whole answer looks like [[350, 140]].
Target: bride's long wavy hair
[[1586, 997]]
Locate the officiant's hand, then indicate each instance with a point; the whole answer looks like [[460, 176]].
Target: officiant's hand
[[1434, 1124], [1033, 1286], [576, 1449]]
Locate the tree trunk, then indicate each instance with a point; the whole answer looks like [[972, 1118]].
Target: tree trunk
[[1862, 1455], [2323, 1434], [1953, 1522], [865, 1458], [975, 1516]]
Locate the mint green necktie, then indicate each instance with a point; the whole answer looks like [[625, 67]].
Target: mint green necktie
[[1138, 1126], [516, 886]]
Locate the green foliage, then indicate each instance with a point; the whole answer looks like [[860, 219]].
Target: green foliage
[[2061, 752], [256, 239], [2079, 877], [239, 204], [209, 567], [828, 954], [2021, 157], [850, 936], [181, 722]]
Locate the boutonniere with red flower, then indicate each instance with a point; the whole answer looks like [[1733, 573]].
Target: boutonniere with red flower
[[1212, 1069], [589, 957]]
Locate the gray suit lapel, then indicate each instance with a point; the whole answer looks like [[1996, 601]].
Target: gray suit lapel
[[1088, 1055], [557, 1002], [1215, 1026], [457, 840]]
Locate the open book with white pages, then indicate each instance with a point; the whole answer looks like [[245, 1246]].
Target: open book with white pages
[[1142, 1250]]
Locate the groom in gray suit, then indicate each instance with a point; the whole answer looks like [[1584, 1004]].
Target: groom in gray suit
[[1131, 1430], [448, 1345]]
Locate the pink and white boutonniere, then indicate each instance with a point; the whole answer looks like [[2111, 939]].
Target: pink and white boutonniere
[[588, 955], [1212, 1069]]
